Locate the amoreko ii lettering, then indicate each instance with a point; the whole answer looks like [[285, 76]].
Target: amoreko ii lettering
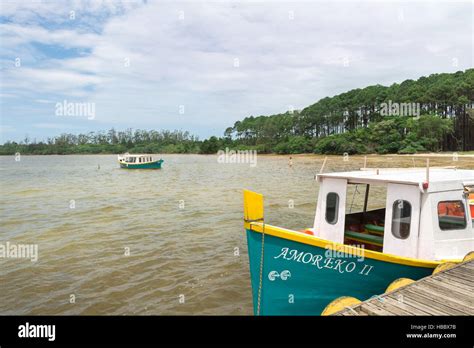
[[339, 265]]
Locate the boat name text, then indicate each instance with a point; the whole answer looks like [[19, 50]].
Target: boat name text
[[339, 265]]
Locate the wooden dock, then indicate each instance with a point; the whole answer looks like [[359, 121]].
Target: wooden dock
[[449, 292]]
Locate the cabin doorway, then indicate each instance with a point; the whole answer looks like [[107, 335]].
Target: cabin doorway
[[365, 217]]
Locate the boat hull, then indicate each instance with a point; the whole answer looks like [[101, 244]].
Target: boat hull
[[149, 165], [302, 279]]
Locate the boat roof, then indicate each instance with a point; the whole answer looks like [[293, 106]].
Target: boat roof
[[136, 155], [438, 178]]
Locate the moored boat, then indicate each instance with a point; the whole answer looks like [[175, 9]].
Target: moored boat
[[129, 161], [426, 221]]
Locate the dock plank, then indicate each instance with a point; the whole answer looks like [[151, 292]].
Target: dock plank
[[467, 265], [464, 291], [459, 276], [452, 302], [446, 290], [462, 273], [393, 307], [429, 309], [405, 306], [372, 309], [466, 284], [426, 299]]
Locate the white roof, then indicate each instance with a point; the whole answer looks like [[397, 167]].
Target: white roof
[[439, 179]]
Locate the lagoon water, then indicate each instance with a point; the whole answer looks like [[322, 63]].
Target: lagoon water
[[149, 242]]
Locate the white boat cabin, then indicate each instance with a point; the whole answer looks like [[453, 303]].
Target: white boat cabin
[[127, 158], [423, 214]]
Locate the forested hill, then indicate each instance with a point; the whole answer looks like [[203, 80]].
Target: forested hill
[[373, 119], [433, 113]]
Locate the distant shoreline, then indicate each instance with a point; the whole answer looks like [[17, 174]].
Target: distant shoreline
[[464, 154]]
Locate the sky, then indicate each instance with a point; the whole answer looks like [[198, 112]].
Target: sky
[[202, 65]]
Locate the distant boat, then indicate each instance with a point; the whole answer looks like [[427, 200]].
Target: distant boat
[[129, 161]]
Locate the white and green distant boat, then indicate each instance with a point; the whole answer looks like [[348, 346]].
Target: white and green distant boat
[[146, 161]]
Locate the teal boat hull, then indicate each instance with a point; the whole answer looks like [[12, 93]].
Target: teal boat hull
[[149, 165], [302, 279]]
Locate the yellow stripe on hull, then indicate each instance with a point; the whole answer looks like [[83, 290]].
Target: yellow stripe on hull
[[315, 241]]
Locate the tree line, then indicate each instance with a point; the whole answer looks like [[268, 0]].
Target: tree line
[[112, 141], [442, 119], [433, 113]]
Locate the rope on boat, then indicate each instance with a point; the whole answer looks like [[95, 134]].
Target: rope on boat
[[322, 167], [260, 283], [353, 197], [261, 270]]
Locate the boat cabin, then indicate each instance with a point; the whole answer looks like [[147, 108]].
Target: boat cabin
[[422, 213], [127, 158]]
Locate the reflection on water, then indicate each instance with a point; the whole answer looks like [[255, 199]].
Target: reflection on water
[[168, 241]]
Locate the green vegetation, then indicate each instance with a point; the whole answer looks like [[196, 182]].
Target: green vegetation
[[433, 113], [397, 135], [358, 122], [138, 141]]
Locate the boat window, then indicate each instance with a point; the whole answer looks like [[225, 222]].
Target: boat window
[[401, 219], [451, 215], [332, 206]]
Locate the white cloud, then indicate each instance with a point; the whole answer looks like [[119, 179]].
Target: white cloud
[[52, 80], [6, 128], [44, 101]]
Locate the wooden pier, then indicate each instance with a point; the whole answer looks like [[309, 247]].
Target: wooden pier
[[448, 292]]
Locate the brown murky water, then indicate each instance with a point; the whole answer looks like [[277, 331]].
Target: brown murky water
[[149, 242]]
